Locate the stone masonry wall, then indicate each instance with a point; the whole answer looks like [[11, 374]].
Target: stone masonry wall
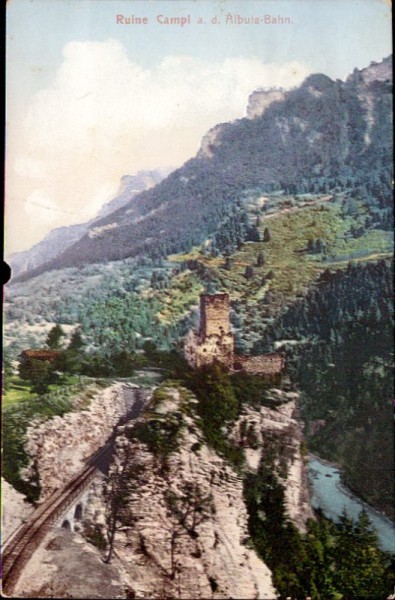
[[214, 315], [268, 364]]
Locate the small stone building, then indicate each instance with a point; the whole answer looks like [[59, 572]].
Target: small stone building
[[214, 342], [40, 354]]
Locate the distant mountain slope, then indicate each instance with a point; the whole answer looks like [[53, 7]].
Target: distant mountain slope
[[61, 238], [324, 135]]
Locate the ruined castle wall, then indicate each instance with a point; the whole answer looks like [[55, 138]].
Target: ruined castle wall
[[267, 364], [199, 353], [215, 348], [215, 342]]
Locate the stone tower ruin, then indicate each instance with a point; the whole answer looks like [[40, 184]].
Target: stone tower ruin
[[214, 315], [214, 341]]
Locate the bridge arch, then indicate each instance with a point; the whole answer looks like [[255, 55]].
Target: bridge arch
[[78, 512]]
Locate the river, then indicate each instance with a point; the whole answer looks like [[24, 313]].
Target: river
[[333, 497]]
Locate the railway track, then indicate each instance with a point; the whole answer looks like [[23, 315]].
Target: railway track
[[20, 548]]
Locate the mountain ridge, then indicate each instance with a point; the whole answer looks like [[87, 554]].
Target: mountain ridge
[[323, 134], [60, 238]]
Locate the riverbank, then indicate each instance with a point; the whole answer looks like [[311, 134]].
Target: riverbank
[[333, 498], [347, 488]]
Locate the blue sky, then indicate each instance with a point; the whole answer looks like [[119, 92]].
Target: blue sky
[[89, 100], [333, 36]]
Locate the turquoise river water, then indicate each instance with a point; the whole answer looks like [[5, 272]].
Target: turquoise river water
[[333, 497]]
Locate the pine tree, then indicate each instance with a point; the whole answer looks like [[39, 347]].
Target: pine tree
[[39, 373], [76, 342], [360, 565], [54, 337], [266, 235], [228, 263], [260, 260], [249, 272]]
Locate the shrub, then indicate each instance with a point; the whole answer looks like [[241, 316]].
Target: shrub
[[94, 535], [161, 436]]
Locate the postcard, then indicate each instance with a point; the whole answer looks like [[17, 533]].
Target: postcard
[[197, 396]]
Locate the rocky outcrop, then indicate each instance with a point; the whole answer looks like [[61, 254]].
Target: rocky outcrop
[[14, 509], [211, 140], [376, 71], [260, 100], [278, 430], [60, 445], [180, 515], [66, 566], [184, 532]]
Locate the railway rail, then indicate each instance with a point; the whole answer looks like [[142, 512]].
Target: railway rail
[[20, 548]]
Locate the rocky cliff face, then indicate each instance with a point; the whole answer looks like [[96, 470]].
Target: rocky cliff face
[[376, 71], [66, 566], [260, 100], [14, 509], [60, 445], [184, 531], [279, 431], [181, 519], [211, 140]]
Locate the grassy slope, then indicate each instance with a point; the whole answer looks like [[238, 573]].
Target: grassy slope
[[175, 302], [19, 390], [285, 254]]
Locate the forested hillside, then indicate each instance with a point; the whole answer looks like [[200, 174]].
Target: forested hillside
[[324, 135], [341, 356]]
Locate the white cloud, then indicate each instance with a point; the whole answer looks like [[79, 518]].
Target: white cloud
[[106, 116]]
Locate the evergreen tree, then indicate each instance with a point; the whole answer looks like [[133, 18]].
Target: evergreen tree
[[38, 373], [266, 235], [249, 272], [76, 342], [254, 234], [228, 263], [54, 337], [359, 564], [260, 259]]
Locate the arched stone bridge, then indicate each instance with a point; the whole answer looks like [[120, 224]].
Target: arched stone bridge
[[134, 398], [65, 507]]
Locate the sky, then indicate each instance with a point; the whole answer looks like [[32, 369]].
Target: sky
[[91, 98]]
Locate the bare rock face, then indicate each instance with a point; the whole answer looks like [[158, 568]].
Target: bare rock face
[[211, 140], [279, 430], [184, 532], [60, 445], [381, 71], [260, 100], [14, 509]]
